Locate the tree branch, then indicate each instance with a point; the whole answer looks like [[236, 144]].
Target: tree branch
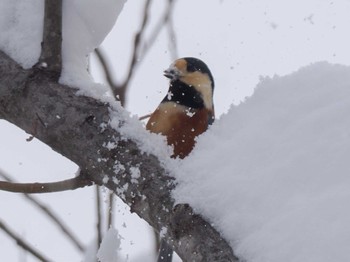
[[30, 188], [107, 71], [99, 217], [21, 243], [84, 126], [140, 50], [110, 210], [50, 58], [171, 32], [144, 117], [119, 90], [137, 42], [164, 20], [81, 132]]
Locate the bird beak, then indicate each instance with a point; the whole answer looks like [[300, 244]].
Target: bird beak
[[172, 72], [169, 73]]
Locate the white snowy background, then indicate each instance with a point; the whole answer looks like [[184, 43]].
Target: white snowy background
[[272, 172]]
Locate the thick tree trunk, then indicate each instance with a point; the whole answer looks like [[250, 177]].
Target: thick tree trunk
[[78, 128]]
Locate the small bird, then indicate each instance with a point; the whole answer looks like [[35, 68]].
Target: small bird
[[187, 110]]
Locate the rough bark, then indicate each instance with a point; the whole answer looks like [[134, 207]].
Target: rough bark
[[77, 127]]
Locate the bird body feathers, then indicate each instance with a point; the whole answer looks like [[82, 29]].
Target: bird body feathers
[[180, 124], [187, 110]]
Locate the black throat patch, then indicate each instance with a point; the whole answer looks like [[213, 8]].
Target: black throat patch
[[184, 94]]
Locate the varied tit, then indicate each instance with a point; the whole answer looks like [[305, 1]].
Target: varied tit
[[187, 109]]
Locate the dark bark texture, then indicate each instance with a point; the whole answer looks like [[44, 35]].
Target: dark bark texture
[[78, 128]]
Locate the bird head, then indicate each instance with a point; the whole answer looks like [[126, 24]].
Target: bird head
[[193, 73]]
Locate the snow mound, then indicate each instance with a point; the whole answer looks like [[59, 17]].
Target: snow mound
[[273, 174]]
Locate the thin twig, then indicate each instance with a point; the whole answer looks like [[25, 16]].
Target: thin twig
[[110, 210], [171, 33], [139, 51], [21, 243], [156, 241], [106, 68], [119, 90], [165, 252], [30, 188], [164, 20], [99, 218], [51, 215], [144, 117], [51, 57], [137, 43]]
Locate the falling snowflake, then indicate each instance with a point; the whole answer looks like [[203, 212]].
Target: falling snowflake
[[189, 113], [170, 95]]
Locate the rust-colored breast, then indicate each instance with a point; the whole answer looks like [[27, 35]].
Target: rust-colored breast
[[179, 125]]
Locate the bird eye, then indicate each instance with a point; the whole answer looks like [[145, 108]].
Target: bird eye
[[191, 67]]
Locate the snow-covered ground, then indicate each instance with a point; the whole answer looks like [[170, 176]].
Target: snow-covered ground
[[271, 174]]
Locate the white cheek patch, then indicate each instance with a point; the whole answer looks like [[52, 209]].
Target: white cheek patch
[[202, 83], [207, 94]]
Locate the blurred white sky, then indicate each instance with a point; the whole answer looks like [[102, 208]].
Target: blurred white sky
[[239, 40]]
